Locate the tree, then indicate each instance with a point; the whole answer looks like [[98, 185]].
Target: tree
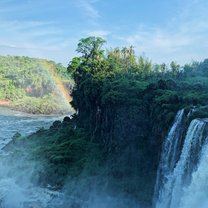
[[163, 68], [144, 66], [174, 68], [91, 47]]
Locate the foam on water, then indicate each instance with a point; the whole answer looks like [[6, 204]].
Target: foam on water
[[16, 187], [186, 186]]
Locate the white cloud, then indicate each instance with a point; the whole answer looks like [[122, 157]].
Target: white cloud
[[34, 38], [23, 32], [99, 33], [28, 36], [20, 25], [185, 39], [89, 8]]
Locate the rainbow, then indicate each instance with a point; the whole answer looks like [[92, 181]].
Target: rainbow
[[58, 82]]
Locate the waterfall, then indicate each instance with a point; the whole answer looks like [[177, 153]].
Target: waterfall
[[189, 174], [196, 194], [170, 151]]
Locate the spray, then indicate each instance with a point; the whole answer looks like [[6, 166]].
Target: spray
[[58, 82]]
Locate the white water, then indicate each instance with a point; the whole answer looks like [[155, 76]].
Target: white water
[[196, 194], [186, 186], [16, 187], [182, 178], [14, 121], [169, 152]]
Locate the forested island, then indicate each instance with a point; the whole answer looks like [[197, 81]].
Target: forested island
[[124, 107], [33, 85]]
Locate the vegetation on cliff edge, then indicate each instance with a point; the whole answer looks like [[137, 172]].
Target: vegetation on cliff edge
[[124, 107]]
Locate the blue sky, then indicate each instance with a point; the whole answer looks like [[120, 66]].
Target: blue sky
[[162, 30]]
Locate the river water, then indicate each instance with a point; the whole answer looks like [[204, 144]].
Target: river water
[[17, 174], [16, 189], [12, 122]]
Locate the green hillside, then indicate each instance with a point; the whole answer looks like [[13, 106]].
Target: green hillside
[[34, 85]]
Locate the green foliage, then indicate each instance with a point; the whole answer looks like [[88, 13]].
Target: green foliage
[[63, 150], [144, 66], [91, 47], [124, 109], [26, 83], [102, 85], [175, 68], [48, 104], [127, 106], [201, 112]]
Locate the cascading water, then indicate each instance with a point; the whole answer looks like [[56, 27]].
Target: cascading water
[[169, 153], [177, 187], [196, 194]]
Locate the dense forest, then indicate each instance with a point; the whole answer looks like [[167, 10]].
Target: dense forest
[[29, 84], [124, 108]]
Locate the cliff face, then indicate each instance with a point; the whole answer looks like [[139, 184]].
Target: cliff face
[[120, 154], [130, 124], [127, 110]]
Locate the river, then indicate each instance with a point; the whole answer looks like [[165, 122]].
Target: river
[[16, 189]]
